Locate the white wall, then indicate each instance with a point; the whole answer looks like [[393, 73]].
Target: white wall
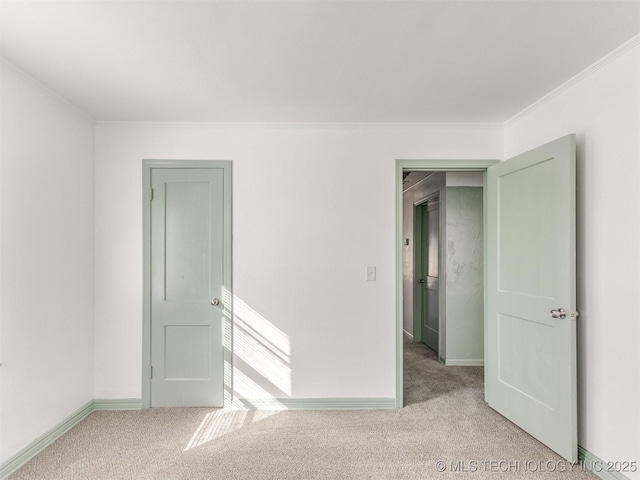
[[312, 206], [603, 110], [47, 223]]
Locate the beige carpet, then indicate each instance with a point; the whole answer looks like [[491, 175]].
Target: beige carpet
[[445, 420]]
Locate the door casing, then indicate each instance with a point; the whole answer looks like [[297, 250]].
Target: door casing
[[227, 318], [431, 166]]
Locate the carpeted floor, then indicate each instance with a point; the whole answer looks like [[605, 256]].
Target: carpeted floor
[[445, 420]]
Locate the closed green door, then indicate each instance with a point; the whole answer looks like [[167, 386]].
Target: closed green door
[[187, 221], [531, 288]]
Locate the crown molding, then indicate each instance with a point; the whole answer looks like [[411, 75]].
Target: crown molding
[[426, 125], [5, 64], [587, 72]]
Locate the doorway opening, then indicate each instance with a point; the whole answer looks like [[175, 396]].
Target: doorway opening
[[443, 285], [443, 264], [428, 249], [529, 334]]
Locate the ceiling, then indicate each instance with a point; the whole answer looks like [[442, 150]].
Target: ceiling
[[309, 61]]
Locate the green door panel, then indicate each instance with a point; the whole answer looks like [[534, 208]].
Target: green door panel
[[531, 357]]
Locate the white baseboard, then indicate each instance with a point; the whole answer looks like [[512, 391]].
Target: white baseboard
[[410, 335], [465, 362]]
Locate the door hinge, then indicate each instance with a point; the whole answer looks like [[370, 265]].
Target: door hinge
[[151, 194], [150, 371]]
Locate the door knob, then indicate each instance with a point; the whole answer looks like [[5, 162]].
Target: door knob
[[421, 280], [215, 302], [559, 313]]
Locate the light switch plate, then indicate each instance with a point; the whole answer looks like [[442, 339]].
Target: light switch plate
[[370, 274]]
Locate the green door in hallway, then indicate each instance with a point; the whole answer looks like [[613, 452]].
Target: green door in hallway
[[429, 279], [426, 311], [531, 294], [186, 236]]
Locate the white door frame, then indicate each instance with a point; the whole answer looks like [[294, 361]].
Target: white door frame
[[227, 317], [432, 166]]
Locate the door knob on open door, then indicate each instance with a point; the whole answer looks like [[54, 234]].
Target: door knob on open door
[[215, 302], [559, 313]]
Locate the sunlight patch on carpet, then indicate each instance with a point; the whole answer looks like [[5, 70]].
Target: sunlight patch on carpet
[[221, 422]]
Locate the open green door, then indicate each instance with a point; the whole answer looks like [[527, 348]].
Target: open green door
[[530, 375]]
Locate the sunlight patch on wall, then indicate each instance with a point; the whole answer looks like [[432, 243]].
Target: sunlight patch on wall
[[262, 346], [246, 391], [227, 345], [263, 352]]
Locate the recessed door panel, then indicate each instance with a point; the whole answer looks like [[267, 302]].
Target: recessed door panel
[[526, 358], [523, 194], [188, 242], [187, 364]]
